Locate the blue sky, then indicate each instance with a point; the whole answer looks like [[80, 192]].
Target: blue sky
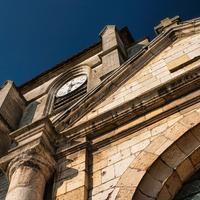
[[37, 34]]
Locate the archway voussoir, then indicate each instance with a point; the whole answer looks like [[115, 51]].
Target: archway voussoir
[[185, 170], [171, 160], [156, 144], [143, 161], [127, 182], [188, 143], [173, 184], [190, 120], [140, 196], [156, 173], [125, 193], [175, 131], [196, 132], [195, 158], [164, 194], [150, 186], [159, 145]]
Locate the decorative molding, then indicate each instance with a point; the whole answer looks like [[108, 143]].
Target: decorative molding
[[167, 23], [68, 75], [72, 148], [72, 140], [35, 141], [145, 103], [123, 73], [37, 158], [115, 47]]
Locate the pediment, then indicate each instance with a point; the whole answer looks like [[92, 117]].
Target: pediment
[[149, 68]]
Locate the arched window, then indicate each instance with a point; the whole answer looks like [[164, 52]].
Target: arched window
[[67, 89]]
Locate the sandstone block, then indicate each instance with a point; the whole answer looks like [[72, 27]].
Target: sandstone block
[[122, 165], [143, 161], [160, 171], [140, 146], [108, 173], [173, 156], [185, 170]]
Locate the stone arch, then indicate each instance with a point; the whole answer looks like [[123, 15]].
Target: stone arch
[[160, 170]]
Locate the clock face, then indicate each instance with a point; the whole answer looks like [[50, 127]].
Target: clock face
[[71, 85]]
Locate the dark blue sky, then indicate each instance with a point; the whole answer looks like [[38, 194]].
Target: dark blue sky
[[37, 34]]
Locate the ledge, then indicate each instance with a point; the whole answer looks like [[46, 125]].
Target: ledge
[[141, 105]]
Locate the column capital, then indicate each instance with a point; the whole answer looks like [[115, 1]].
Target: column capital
[[34, 147], [30, 160], [36, 158]]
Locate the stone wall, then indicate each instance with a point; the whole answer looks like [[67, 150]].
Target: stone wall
[[119, 160], [138, 140], [155, 73], [115, 169], [112, 162], [71, 179]]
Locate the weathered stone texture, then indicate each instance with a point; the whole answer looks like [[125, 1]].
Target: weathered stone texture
[[71, 176], [132, 134], [112, 162]]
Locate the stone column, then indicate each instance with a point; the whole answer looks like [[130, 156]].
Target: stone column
[[28, 174]]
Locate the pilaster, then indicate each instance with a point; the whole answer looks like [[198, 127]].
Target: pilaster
[[72, 174]]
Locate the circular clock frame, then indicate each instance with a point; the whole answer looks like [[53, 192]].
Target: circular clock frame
[[71, 85]]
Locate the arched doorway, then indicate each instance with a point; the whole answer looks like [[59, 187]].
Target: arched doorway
[[161, 169], [173, 171]]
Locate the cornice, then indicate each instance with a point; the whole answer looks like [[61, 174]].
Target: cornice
[[115, 47], [104, 140], [37, 158], [99, 139], [60, 153], [139, 106], [98, 135], [123, 73], [35, 137]]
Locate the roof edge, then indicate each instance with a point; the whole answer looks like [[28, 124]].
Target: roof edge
[[44, 76]]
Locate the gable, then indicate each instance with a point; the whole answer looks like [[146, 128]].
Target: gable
[[133, 67], [179, 57]]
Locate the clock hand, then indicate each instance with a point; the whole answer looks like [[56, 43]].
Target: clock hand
[[69, 88], [74, 86]]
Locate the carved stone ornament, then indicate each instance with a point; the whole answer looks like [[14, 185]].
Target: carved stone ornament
[[37, 158]]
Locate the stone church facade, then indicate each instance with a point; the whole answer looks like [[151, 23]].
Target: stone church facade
[[118, 121]]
